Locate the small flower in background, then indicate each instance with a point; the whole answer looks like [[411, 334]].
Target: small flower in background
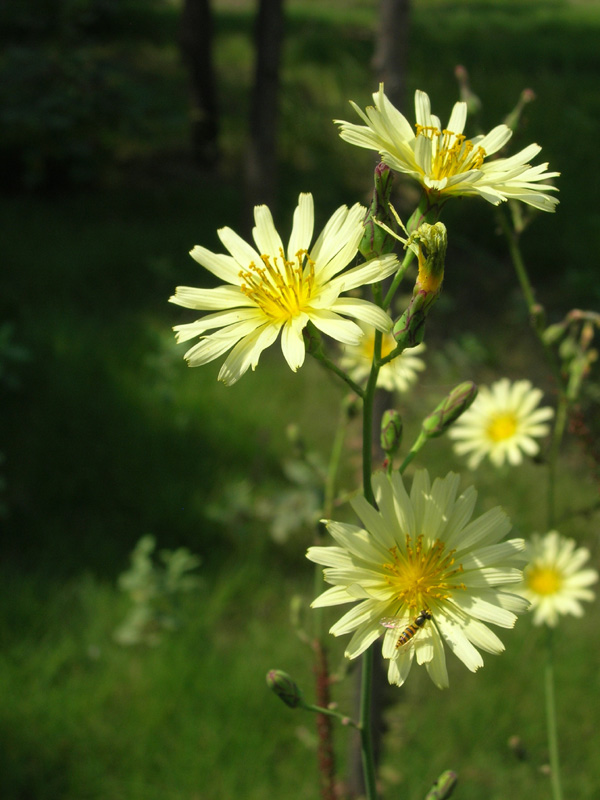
[[554, 581], [422, 568], [269, 292], [443, 160], [397, 375], [502, 423]]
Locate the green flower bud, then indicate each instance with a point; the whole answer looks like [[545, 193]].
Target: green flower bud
[[285, 688], [443, 787], [409, 330], [313, 341], [429, 242], [391, 431], [432, 241], [554, 332], [450, 409], [376, 241]]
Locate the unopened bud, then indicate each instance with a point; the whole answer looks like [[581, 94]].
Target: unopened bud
[[313, 341], [376, 241], [429, 242], [450, 409], [554, 332], [391, 431], [443, 787], [466, 94], [284, 687]]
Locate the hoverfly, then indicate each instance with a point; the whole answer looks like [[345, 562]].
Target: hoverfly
[[410, 630]]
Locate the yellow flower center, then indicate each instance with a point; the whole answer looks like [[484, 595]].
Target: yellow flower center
[[281, 289], [502, 427], [454, 154], [544, 580], [423, 574]]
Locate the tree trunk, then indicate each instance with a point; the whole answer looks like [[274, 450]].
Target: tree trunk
[[261, 156], [391, 49], [195, 42]]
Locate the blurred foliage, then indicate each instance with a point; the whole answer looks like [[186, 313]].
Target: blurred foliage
[[70, 93], [288, 510], [154, 589]]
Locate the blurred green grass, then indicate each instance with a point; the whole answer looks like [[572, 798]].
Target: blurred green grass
[[110, 436]]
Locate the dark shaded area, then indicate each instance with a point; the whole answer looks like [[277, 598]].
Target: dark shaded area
[[93, 454]]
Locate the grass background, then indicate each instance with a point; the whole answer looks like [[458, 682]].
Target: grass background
[[107, 436]]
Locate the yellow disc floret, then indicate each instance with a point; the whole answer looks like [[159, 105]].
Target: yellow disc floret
[[502, 427], [281, 289], [544, 580], [424, 574], [453, 154]]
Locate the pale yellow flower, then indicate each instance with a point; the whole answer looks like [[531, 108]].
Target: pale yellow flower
[[503, 423], [554, 581], [270, 290], [422, 561], [443, 160], [397, 375]]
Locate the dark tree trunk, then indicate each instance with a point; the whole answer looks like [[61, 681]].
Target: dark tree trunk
[[195, 42], [261, 156], [391, 50]]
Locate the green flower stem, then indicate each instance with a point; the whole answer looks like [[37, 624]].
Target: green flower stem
[[564, 401], [528, 293], [398, 277], [551, 719], [340, 373], [345, 720], [558, 431], [420, 441], [366, 739]]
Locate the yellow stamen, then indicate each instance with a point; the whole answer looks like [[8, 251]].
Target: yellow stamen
[[502, 427], [423, 574], [453, 153], [544, 580], [281, 289]]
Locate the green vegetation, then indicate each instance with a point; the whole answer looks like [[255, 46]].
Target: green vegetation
[[107, 436]]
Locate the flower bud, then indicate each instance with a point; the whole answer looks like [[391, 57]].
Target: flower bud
[[450, 409], [443, 787], [313, 341], [391, 431], [554, 332], [429, 242], [376, 241], [284, 687], [466, 94]]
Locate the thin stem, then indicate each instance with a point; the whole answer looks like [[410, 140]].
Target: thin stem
[[551, 719], [420, 441], [329, 712], [408, 257], [557, 436], [341, 374], [366, 737], [528, 293]]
